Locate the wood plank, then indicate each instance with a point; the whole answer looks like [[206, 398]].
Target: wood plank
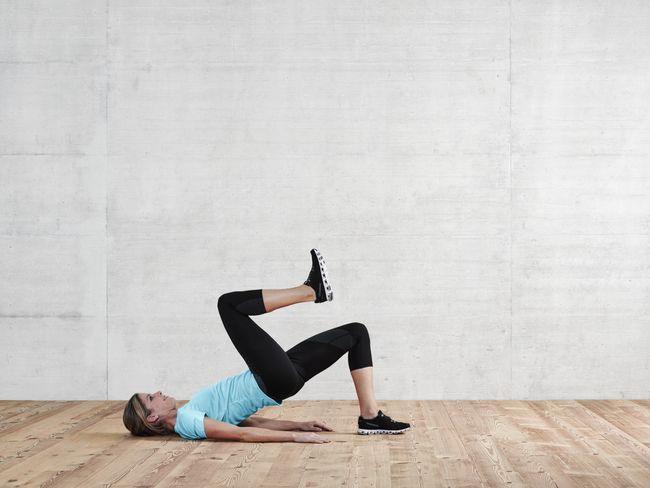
[[612, 433], [10, 407], [428, 466], [34, 438], [491, 464], [617, 415], [30, 413], [639, 412], [458, 469]]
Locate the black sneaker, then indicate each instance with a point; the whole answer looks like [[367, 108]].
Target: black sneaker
[[318, 280], [381, 424]]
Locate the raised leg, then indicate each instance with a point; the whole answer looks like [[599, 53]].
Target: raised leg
[[278, 298], [264, 356]]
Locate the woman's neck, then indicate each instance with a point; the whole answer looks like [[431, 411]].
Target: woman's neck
[[169, 421]]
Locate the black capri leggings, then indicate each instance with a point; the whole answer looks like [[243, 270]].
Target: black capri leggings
[[280, 373]]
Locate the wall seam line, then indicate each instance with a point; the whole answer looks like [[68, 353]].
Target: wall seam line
[[106, 182], [510, 172]]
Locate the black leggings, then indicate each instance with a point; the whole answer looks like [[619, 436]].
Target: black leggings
[[282, 374]]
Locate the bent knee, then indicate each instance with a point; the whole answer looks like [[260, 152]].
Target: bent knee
[[224, 301], [358, 329]]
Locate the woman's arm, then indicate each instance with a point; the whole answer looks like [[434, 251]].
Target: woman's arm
[[310, 425], [259, 434], [273, 424], [222, 431]]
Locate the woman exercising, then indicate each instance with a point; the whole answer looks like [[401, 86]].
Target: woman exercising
[[224, 410]]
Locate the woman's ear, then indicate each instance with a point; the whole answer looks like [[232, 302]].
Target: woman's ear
[[152, 418]]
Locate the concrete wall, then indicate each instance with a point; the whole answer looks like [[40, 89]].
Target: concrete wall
[[476, 174]]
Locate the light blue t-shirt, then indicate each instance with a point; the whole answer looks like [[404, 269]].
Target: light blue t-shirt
[[231, 400]]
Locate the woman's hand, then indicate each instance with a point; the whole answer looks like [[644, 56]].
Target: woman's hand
[[309, 437], [313, 426]]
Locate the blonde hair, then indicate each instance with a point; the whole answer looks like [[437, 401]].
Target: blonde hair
[[135, 419]]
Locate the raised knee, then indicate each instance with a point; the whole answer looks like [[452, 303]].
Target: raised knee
[[223, 301]]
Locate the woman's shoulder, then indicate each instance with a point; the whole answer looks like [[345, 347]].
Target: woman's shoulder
[[189, 423]]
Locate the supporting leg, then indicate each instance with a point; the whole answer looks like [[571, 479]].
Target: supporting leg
[[317, 353], [363, 383], [278, 298]]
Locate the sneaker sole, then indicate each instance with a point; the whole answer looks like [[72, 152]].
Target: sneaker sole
[[329, 295], [380, 431]]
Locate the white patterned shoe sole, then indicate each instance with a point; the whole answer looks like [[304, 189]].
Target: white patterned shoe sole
[[375, 431], [329, 293]]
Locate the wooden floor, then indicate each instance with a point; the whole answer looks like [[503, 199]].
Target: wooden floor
[[451, 443]]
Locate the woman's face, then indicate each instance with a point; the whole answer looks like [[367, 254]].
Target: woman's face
[[158, 403]]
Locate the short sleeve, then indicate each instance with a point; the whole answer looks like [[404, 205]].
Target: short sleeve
[[189, 423]]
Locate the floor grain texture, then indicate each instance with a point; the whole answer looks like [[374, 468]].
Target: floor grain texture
[[566, 443]]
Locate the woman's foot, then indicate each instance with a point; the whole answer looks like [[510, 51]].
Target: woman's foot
[[381, 424], [318, 279]]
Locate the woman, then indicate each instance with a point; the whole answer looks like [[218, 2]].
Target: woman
[[223, 410]]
